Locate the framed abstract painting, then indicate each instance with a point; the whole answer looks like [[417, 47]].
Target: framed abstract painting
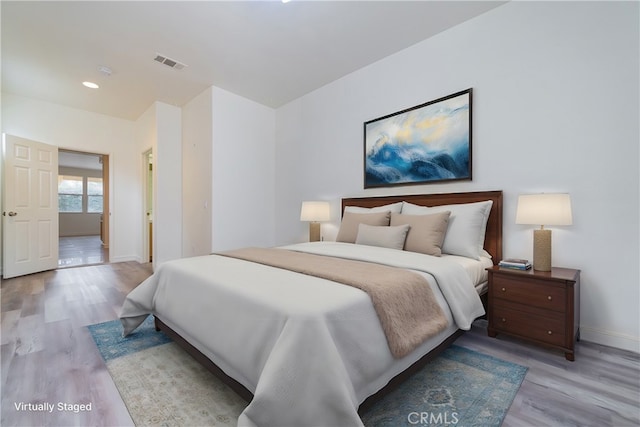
[[427, 143]]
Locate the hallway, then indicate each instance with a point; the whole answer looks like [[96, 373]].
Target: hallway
[[81, 250]]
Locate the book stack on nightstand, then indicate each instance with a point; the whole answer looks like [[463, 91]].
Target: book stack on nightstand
[[515, 264]]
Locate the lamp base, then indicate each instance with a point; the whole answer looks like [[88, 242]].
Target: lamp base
[[542, 250], [314, 231]]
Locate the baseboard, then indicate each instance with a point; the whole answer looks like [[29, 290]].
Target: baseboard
[[126, 259], [611, 339]]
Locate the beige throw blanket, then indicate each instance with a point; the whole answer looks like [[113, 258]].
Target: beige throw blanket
[[403, 300]]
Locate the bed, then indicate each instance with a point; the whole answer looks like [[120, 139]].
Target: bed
[[303, 349]]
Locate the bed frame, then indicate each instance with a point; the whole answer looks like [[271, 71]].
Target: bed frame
[[493, 245]]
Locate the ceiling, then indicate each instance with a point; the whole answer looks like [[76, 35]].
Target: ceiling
[[74, 159], [267, 51]]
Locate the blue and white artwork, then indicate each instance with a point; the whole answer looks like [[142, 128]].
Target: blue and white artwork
[[427, 143]]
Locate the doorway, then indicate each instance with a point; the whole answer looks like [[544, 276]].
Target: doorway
[[147, 233], [83, 205]]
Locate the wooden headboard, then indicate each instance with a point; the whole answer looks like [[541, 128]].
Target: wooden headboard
[[493, 236]]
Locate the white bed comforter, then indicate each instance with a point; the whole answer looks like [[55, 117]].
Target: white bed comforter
[[310, 350]]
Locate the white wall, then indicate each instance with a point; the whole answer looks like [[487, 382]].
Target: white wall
[[167, 212], [228, 188], [555, 109], [243, 161], [197, 143], [84, 131], [79, 224]]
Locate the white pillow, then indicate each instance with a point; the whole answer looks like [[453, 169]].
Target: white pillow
[[393, 207], [387, 237], [466, 229]]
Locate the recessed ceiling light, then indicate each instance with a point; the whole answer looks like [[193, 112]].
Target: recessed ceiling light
[[91, 85]]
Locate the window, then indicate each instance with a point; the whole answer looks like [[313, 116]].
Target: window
[[77, 194], [94, 195], [70, 190]]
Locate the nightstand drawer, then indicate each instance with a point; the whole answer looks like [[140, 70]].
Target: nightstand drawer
[[527, 291], [547, 329]]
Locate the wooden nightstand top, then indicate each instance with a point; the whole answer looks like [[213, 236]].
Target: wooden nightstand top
[[556, 273]]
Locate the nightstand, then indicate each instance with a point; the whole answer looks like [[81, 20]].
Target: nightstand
[[541, 307]]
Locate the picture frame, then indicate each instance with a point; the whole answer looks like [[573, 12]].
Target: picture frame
[[428, 143]]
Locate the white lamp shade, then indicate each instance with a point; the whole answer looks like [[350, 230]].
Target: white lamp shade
[[544, 209], [315, 211]]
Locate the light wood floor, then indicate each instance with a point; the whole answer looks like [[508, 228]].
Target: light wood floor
[[49, 356], [81, 250]]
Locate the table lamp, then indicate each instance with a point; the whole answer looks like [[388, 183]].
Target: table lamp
[[543, 209], [314, 212]]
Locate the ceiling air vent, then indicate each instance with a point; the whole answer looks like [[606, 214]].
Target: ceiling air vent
[[172, 63]]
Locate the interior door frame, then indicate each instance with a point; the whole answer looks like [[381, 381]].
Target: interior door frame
[[106, 202], [147, 205], [106, 193]]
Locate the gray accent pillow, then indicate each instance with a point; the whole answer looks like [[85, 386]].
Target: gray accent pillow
[[386, 237]]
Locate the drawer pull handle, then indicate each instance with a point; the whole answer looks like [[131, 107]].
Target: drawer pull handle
[[504, 320], [549, 332], [549, 298], [503, 290]]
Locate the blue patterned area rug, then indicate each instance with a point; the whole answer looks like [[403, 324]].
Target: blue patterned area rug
[[461, 387], [162, 385]]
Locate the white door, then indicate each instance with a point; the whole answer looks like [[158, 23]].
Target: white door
[[30, 207]]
